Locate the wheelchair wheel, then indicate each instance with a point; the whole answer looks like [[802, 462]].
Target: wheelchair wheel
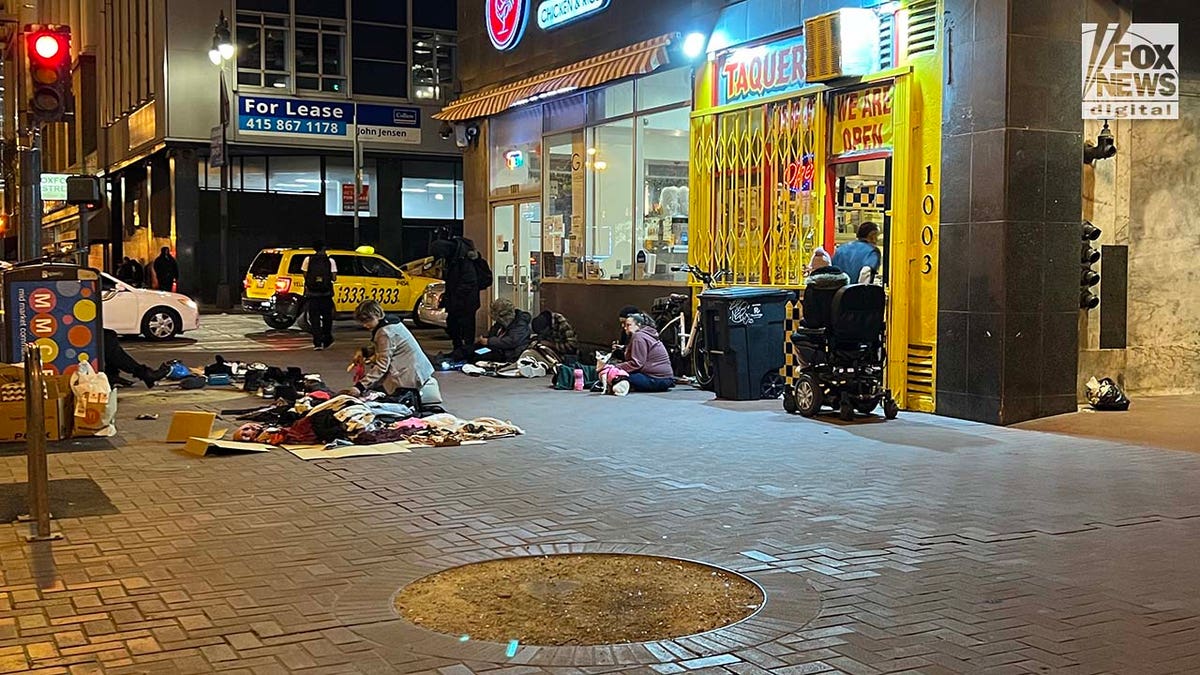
[[867, 407], [772, 386], [846, 411], [807, 395], [890, 408], [789, 401]]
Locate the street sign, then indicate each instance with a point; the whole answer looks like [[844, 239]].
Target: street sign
[[216, 147], [388, 124], [54, 187]]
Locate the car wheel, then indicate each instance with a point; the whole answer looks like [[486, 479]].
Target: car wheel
[[279, 322], [808, 396], [416, 316], [160, 324]]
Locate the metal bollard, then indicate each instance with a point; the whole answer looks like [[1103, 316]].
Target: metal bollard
[[35, 447]]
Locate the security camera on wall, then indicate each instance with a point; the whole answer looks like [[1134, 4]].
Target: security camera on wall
[[460, 135]]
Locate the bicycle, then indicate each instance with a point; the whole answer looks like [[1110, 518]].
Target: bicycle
[[686, 346]]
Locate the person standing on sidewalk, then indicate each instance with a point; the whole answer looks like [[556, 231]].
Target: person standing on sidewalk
[[166, 270], [320, 273], [465, 274]]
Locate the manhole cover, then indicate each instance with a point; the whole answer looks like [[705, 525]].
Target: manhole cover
[[579, 599]]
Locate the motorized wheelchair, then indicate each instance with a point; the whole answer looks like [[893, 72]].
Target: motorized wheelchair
[[840, 344]]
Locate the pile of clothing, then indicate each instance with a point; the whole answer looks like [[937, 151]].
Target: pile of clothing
[[346, 419]]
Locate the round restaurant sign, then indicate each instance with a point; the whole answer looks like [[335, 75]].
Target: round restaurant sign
[[506, 22]]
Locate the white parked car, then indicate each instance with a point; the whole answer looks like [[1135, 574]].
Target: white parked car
[[428, 312], [158, 315]]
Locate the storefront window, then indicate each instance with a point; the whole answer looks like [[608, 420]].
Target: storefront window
[[254, 174], [515, 141], [564, 200], [614, 100], [664, 88], [662, 231], [431, 198], [294, 174], [609, 241], [564, 113], [339, 173], [791, 149], [739, 164]]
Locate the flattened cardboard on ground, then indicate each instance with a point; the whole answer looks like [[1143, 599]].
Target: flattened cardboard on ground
[[187, 424], [311, 452], [201, 447]]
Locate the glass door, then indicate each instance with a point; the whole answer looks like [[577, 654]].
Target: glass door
[[515, 249], [861, 192]]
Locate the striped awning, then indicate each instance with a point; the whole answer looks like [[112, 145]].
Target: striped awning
[[639, 59]]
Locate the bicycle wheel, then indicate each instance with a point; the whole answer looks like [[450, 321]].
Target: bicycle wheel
[[673, 341], [702, 366]]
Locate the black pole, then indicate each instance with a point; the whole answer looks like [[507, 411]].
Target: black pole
[[224, 298], [31, 196]]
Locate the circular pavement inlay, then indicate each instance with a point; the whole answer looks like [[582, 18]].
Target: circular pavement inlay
[[579, 599]]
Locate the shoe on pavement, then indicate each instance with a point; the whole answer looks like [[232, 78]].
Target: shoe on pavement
[[621, 388], [317, 348]]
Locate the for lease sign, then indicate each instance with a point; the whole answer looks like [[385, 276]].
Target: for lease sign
[[862, 120]]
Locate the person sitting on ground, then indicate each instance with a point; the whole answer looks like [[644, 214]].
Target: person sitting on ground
[[553, 330], [117, 361], [509, 336], [398, 364], [618, 346], [647, 363]]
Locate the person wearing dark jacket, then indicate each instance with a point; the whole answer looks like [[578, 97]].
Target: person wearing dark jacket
[[166, 270], [510, 334], [460, 298], [556, 332], [647, 360]]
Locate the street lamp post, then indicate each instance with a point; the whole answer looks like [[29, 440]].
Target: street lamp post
[[222, 51]]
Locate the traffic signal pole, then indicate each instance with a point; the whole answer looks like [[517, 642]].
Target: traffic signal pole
[[31, 194]]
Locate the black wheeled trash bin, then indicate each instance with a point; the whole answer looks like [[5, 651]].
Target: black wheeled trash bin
[[744, 334]]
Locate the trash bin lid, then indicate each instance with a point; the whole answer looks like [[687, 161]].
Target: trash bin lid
[[748, 293]]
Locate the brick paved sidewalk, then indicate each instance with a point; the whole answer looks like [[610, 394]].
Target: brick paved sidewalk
[[925, 544]]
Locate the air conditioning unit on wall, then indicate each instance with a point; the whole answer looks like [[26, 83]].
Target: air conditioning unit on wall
[[841, 44]]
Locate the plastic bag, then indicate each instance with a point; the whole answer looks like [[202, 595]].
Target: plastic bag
[[1104, 394], [95, 402]]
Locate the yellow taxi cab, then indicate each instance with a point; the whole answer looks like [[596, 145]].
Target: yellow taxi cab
[[274, 284]]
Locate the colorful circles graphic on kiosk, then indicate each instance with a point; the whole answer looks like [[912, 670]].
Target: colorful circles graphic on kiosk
[[68, 289], [85, 310], [42, 300], [49, 349], [51, 368], [79, 336], [43, 325], [68, 320]]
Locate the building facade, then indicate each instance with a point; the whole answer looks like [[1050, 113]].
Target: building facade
[[306, 79]]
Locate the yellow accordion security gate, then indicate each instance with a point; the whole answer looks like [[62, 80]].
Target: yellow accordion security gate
[[762, 197]]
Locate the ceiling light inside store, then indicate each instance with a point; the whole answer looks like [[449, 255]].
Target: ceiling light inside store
[[415, 190], [448, 186], [439, 196]]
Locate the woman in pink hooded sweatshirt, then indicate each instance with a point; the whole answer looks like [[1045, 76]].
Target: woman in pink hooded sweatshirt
[[647, 360]]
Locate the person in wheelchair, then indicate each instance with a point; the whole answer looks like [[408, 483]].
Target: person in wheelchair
[[840, 342]]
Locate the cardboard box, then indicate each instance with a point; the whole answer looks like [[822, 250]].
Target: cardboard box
[[57, 409], [189, 424]]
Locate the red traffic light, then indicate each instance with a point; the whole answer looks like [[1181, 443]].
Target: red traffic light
[[46, 46]]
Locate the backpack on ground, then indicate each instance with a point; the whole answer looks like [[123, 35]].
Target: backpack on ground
[[564, 377], [318, 278]]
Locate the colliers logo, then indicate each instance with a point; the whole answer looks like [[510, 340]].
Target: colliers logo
[[506, 22], [1131, 73]]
